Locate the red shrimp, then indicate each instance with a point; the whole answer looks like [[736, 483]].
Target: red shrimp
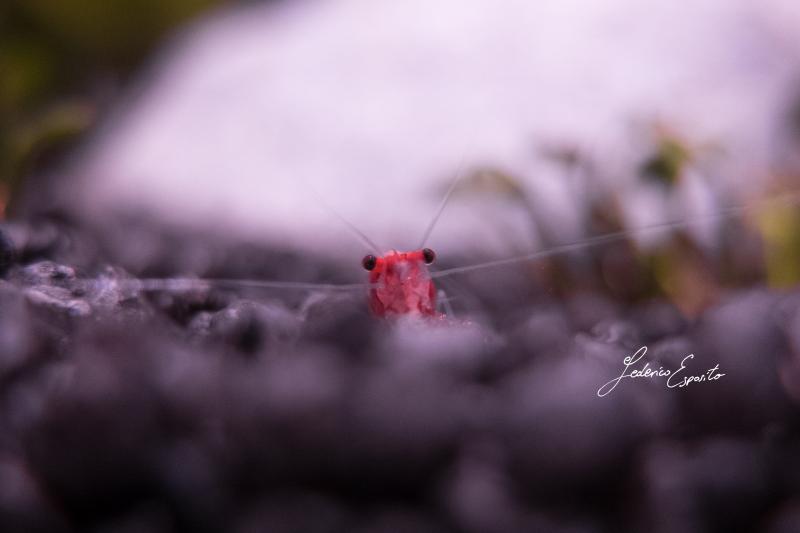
[[401, 284]]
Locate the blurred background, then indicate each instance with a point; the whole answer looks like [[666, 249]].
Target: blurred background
[[256, 120], [63, 63], [224, 139]]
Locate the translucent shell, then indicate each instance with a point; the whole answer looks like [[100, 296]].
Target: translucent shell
[[401, 285]]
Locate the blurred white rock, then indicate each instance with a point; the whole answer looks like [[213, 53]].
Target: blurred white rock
[[375, 104]]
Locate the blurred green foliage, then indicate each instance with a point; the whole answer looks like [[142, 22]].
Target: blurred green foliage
[[668, 162], [780, 227], [761, 246], [61, 60]]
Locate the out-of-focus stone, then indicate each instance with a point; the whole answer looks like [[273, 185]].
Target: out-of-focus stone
[[23, 505], [343, 319], [785, 519], [7, 251], [252, 327], [717, 485], [16, 331], [564, 438], [744, 337]]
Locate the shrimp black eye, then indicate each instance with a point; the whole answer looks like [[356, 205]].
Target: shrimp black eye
[[429, 255], [369, 262]]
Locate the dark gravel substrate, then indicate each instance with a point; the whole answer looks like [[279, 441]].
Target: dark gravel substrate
[[221, 411]]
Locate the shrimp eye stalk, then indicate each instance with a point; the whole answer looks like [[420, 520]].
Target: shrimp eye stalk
[[369, 262], [429, 255]]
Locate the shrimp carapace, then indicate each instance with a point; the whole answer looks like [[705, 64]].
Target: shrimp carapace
[[400, 283]]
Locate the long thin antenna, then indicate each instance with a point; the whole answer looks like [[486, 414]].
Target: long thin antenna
[[369, 243], [443, 204], [374, 248], [729, 212], [188, 284]]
